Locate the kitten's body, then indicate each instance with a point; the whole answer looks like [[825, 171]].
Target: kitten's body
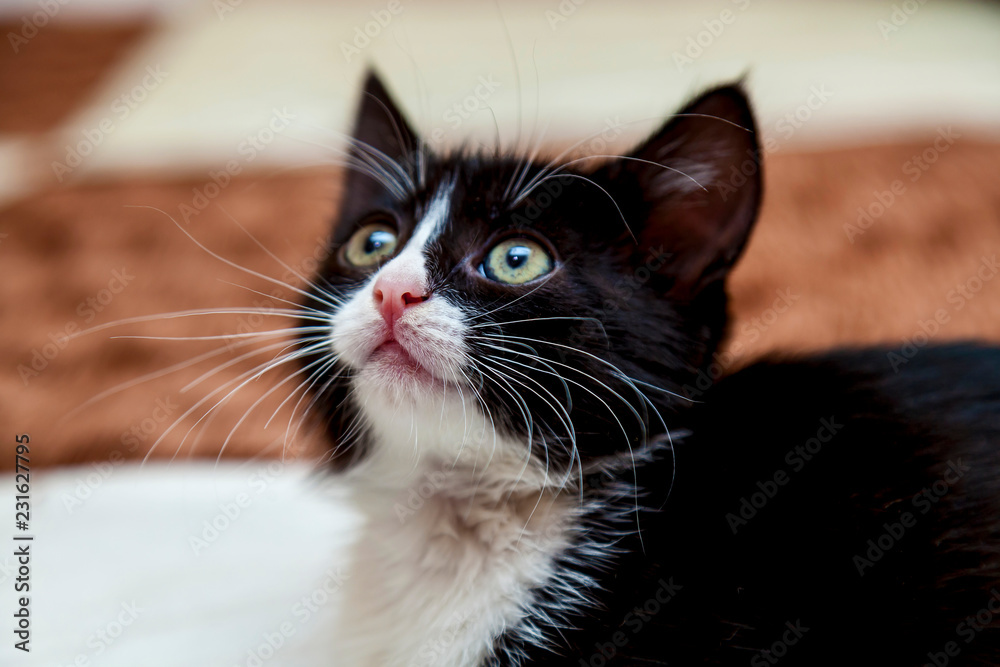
[[854, 449], [443, 571], [539, 482]]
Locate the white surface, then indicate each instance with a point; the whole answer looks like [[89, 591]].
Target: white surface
[[129, 543]]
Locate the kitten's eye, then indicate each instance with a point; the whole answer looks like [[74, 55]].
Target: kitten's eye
[[371, 244], [516, 261]]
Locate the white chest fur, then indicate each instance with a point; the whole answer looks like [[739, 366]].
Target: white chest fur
[[442, 568]]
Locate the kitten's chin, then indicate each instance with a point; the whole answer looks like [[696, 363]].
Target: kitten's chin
[[394, 362], [394, 374]]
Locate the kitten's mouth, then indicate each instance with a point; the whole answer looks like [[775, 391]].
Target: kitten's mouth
[[409, 359]]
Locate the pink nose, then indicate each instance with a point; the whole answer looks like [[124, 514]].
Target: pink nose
[[394, 295]]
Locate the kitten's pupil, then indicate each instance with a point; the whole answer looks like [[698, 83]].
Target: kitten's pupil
[[517, 256], [377, 240]]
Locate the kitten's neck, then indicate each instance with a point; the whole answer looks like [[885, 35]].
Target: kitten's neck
[[458, 551], [455, 448], [449, 563]]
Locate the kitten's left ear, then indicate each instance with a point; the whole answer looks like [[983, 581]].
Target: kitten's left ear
[[384, 144], [380, 124], [700, 178]]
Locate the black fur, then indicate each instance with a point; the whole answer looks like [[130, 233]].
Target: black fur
[[802, 556], [632, 316]]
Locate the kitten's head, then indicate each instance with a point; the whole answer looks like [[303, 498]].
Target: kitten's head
[[529, 316]]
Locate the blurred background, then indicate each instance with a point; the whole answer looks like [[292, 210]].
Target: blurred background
[[142, 141]]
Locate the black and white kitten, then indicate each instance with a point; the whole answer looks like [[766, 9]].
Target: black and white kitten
[[512, 390]]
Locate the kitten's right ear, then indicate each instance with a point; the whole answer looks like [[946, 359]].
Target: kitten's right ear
[[380, 125], [699, 176]]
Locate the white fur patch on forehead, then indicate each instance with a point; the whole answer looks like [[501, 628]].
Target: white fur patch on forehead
[[435, 218]]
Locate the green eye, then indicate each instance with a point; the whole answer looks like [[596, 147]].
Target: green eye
[[516, 261], [370, 245]]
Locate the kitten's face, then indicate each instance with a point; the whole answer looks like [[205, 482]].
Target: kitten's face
[[490, 309]]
